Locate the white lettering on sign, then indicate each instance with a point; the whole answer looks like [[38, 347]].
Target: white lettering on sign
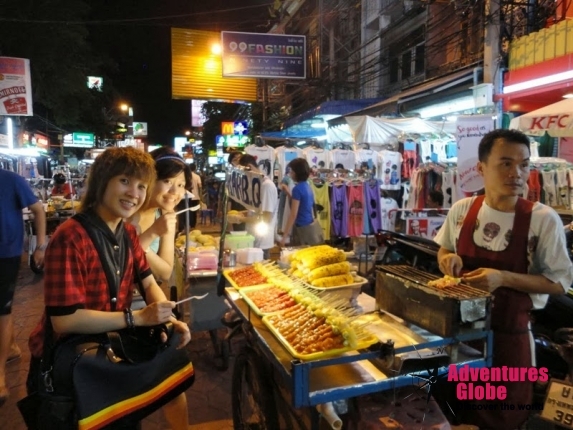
[[244, 187]]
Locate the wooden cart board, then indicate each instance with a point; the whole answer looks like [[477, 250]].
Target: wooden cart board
[[558, 407], [226, 274], [244, 294], [363, 342]]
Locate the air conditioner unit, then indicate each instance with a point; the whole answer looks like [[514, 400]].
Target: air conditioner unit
[[408, 5], [384, 21]]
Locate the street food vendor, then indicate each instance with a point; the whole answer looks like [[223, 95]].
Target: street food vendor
[[514, 249], [62, 188]]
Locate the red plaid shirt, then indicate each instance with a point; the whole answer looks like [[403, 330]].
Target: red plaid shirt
[[74, 277]]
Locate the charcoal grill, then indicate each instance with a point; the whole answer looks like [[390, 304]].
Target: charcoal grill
[[447, 312]]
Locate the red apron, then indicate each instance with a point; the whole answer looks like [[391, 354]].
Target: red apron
[[510, 311]]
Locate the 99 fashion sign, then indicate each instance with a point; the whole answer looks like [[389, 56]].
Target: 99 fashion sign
[[262, 55], [244, 187]]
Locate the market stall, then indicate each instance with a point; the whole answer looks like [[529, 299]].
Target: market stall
[[317, 345]]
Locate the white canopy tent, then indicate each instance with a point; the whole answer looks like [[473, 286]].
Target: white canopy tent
[[367, 129], [555, 119]]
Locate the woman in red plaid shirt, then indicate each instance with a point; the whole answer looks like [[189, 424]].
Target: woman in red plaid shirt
[[78, 297]]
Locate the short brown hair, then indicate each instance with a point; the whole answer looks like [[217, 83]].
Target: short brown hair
[[113, 162], [300, 168]]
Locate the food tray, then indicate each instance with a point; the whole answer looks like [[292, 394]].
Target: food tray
[[362, 343], [232, 282], [243, 292]]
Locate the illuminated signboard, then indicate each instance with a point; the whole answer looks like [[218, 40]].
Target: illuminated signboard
[[79, 140], [95, 83], [234, 140], [263, 55], [197, 117], [140, 129], [36, 139]]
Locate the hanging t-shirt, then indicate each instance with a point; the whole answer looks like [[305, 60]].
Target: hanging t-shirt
[[438, 150], [265, 156], [562, 188], [548, 190], [339, 210], [388, 213], [425, 150], [322, 205], [285, 155], [284, 204], [368, 158], [355, 209], [345, 157], [317, 158], [390, 167], [448, 188], [372, 222], [269, 203], [570, 181]]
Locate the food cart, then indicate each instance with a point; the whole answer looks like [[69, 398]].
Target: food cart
[[405, 353]]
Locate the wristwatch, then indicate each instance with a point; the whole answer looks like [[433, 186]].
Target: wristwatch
[[41, 247]]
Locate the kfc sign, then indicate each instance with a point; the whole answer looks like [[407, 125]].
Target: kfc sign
[[550, 121]]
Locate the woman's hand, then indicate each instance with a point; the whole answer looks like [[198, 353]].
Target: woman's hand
[[153, 314], [166, 223], [183, 329]]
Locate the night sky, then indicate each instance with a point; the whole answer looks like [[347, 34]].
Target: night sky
[[142, 49]]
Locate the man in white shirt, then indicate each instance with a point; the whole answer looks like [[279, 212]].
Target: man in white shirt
[[264, 238], [513, 248]]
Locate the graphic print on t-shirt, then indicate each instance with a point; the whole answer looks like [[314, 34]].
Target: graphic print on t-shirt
[[355, 210]]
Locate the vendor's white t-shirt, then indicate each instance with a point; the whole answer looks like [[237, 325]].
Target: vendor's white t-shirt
[[269, 203], [546, 252]]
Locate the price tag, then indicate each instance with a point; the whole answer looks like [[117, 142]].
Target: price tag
[[558, 407]]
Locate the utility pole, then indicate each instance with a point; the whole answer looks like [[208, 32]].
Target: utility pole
[[492, 64]]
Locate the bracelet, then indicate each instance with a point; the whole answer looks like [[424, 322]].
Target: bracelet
[[41, 247], [130, 321]]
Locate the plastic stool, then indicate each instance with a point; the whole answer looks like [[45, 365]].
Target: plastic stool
[[207, 214]]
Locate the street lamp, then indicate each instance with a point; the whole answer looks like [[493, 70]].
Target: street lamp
[[129, 124]]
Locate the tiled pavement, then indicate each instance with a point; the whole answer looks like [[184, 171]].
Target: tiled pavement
[[209, 398]]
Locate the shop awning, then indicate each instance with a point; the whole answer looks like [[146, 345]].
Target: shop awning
[[390, 106]]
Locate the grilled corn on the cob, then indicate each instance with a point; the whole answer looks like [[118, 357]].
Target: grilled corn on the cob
[[333, 281], [329, 270]]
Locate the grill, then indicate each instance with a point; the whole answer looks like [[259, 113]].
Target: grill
[[404, 292]]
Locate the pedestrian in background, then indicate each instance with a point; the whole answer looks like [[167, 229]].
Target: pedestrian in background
[[234, 158], [196, 188], [15, 195], [301, 222]]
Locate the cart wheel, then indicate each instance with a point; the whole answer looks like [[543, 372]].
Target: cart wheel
[[34, 268], [252, 395]]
